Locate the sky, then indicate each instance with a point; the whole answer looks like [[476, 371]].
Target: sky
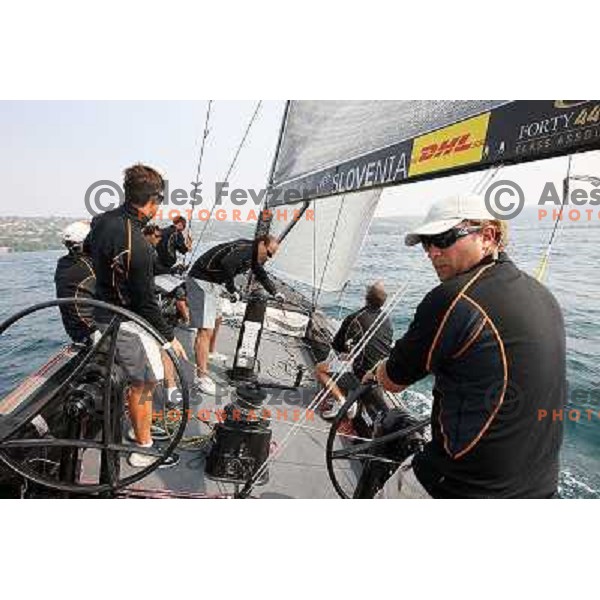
[[51, 152]]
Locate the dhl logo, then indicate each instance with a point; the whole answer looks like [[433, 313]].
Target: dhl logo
[[460, 143], [453, 146]]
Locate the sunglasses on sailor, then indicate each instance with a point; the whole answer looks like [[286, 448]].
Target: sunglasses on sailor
[[447, 238]]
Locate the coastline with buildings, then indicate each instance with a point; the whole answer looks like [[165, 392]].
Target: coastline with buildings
[[26, 234]]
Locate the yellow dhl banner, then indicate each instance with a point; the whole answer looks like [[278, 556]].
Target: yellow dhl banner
[[454, 146]]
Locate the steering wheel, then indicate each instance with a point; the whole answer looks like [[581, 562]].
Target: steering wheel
[[110, 444], [361, 459]]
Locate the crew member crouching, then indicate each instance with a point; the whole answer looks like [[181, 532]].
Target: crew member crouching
[[75, 278], [352, 331]]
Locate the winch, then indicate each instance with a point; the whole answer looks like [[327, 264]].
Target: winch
[[242, 440]]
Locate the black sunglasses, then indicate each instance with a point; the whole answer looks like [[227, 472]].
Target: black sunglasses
[[448, 238], [269, 254]]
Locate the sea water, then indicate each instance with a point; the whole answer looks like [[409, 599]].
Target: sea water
[[27, 278]]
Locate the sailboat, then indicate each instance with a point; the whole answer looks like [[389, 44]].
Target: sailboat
[[61, 429]]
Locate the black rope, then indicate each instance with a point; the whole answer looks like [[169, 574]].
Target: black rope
[[229, 171]]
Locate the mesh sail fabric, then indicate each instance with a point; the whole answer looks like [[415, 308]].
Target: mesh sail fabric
[[321, 250], [320, 134]]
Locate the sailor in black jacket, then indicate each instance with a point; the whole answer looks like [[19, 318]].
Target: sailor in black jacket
[[494, 339], [350, 334], [124, 265], [171, 242], [219, 266], [75, 278]]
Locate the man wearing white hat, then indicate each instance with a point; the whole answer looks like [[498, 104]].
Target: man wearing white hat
[[494, 340], [75, 278]]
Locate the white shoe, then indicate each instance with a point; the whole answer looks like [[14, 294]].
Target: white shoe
[[206, 385], [352, 411], [217, 357], [138, 460]]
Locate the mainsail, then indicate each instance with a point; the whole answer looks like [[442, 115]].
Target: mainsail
[[330, 148], [340, 155]]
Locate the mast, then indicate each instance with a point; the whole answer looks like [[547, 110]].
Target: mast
[[263, 225]]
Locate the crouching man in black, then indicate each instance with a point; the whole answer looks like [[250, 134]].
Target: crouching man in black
[[353, 329], [75, 278]]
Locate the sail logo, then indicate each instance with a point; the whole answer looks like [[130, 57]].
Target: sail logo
[[375, 172], [453, 146]]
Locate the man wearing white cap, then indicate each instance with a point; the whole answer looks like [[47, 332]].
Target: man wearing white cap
[[75, 278], [494, 340]]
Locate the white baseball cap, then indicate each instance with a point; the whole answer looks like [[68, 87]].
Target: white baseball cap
[[76, 232], [448, 213]]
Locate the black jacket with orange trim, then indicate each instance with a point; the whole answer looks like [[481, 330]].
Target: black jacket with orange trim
[[352, 330], [222, 263], [124, 265], [494, 339], [75, 278]]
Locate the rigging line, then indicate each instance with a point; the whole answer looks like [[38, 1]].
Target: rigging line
[[199, 170], [322, 394], [542, 269], [487, 178], [314, 252], [339, 299], [229, 171], [337, 222]]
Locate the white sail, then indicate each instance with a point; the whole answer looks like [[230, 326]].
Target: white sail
[[321, 249]]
